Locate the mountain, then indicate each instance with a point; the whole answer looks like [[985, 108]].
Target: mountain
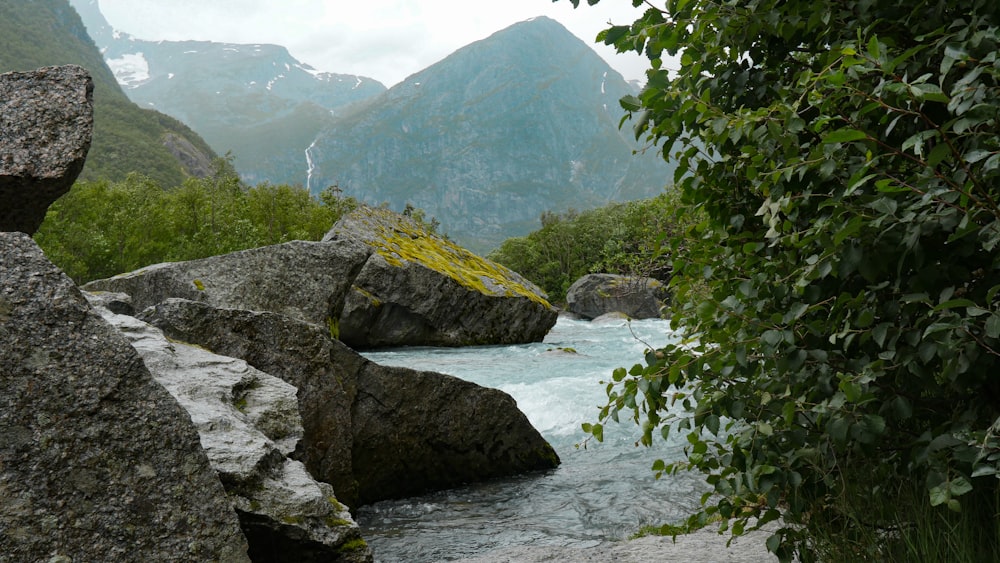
[[257, 101], [126, 138], [487, 139]]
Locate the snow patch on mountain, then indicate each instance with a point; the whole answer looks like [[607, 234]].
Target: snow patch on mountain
[[130, 70]]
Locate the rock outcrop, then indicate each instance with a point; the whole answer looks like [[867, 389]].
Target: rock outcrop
[[420, 289], [299, 279], [249, 423], [418, 431], [97, 461], [383, 432], [378, 279], [594, 295], [300, 353], [47, 120]]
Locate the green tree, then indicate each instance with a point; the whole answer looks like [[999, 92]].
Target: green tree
[[842, 372], [619, 238], [100, 229]]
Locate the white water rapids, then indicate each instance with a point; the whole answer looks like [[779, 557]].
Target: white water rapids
[[603, 493]]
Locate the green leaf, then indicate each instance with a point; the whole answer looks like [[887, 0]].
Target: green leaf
[[613, 34], [959, 486], [844, 136], [938, 154], [765, 429], [630, 103], [938, 495], [712, 424], [993, 326], [773, 542], [873, 48], [955, 303], [852, 390], [597, 430]]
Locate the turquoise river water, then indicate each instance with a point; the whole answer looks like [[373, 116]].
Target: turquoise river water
[[604, 492]]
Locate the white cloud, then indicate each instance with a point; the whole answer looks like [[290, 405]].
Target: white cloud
[[384, 39]]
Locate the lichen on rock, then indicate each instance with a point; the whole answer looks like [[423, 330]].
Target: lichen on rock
[[418, 288]]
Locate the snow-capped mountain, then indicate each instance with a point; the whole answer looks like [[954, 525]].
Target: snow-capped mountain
[[256, 101]]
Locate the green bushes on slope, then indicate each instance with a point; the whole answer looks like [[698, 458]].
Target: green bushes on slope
[[621, 238], [103, 228]]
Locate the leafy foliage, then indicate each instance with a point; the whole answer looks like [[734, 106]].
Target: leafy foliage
[[100, 229], [848, 164], [620, 238]]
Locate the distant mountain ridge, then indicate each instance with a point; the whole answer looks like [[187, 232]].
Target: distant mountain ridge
[[255, 100], [126, 138], [487, 139]]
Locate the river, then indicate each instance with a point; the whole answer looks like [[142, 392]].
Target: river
[[603, 492]]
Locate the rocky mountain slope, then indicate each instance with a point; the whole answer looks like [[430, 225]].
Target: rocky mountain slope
[[257, 101], [126, 138], [493, 135], [485, 140]]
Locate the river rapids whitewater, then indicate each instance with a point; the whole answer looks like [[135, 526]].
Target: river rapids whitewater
[[604, 492]]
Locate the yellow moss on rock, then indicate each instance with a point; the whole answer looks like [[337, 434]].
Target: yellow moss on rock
[[375, 301], [400, 240]]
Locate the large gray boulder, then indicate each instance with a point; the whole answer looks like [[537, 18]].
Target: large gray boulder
[[299, 279], [594, 295], [97, 461], [249, 423], [378, 279], [302, 354], [399, 432], [421, 289], [418, 431], [47, 121]]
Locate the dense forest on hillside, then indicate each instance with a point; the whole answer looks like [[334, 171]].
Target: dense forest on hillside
[[126, 138], [619, 238]]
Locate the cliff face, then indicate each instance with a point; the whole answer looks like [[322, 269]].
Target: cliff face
[[126, 138], [485, 140]]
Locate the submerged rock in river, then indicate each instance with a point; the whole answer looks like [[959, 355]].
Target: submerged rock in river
[[594, 295]]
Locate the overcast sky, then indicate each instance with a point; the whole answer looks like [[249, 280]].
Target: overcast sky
[[383, 39]]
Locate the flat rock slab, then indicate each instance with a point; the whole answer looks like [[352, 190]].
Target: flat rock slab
[[46, 125]]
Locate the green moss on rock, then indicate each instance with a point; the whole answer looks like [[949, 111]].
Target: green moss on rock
[[399, 240]]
